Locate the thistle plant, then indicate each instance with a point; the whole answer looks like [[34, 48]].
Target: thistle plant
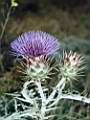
[[36, 100]]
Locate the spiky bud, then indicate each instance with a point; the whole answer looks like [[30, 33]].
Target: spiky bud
[[71, 65], [37, 68]]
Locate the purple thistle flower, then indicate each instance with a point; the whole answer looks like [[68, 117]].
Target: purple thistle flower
[[34, 44]]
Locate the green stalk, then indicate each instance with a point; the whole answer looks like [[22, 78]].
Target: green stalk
[[2, 33]]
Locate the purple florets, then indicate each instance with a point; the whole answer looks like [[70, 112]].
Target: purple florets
[[34, 44]]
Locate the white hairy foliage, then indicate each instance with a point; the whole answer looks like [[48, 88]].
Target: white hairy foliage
[[36, 102]]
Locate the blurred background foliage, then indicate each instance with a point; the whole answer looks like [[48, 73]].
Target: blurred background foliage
[[68, 20]]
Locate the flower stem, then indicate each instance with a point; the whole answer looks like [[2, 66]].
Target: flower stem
[[60, 86], [5, 24], [6, 21], [2, 33], [76, 97], [43, 98]]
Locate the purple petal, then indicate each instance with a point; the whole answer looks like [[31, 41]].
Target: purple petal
[[33, 44]]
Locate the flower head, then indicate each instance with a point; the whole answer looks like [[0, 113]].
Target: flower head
[[71, 65], [38, 68], [14, 3], [34, 44]]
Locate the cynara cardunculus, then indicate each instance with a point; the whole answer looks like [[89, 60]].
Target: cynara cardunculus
[[34, 44], [36, 48], [37, 100]]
